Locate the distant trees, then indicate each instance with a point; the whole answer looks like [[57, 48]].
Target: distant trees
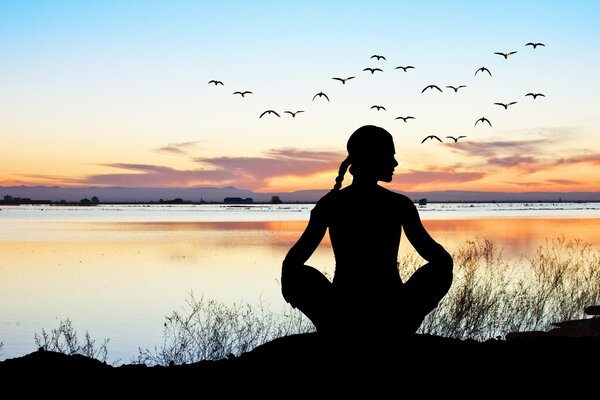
[[87, 202]]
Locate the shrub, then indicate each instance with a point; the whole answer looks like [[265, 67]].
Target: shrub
[[492, 296], [210, 330], [64, 339]]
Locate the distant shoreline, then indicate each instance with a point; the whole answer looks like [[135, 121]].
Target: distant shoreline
[[217, 195], [260, 203]]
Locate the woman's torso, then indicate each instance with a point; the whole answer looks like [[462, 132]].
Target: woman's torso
[[365, 226]]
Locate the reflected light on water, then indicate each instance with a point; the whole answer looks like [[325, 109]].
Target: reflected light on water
[[119, 280]]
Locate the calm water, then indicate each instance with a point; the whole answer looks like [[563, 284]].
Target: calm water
[[117, 271]]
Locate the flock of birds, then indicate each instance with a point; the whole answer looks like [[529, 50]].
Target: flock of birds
[[405, 68]]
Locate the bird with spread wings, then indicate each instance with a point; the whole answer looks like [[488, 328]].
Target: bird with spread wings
[[482, 120], [344, 80], [293, 113], [505, 55], [269, 112], [483, 69], [244, 93], [431, 87], [372, 70], [534, 45], [320, 94], [455, 88], [431, 137], [506, 105], [535, 95]]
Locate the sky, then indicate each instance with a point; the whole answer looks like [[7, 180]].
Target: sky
[[116, 93]]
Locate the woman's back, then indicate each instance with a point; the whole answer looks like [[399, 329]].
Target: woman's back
[[365, 226]]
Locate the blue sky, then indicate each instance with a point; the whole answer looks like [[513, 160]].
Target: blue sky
[[98, 92]]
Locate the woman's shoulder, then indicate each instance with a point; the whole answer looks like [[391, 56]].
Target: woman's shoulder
[[327, 200], [397, 197]]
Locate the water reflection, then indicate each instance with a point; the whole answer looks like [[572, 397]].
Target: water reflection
[[120, 279]]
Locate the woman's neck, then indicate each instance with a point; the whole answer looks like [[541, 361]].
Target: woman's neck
[[364, 182]]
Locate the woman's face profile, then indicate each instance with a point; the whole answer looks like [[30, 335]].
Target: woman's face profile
[[386, 164], [372, 150]]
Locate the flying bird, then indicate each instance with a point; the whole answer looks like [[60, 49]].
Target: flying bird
[[482, 120], [405, 118], [483, 69], [535, 95], [269, 112], [404, 68], [244, 93], [294, 113], [455, 88], [320, 94], [431, 137], [372, 70], [456, 138], [216, 82], [377, 56], [379, 108], [535, 44], [505, 105], [431, 87], [343, 80], [505, 55]]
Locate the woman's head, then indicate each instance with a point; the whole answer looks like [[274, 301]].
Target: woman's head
[[370, 155]]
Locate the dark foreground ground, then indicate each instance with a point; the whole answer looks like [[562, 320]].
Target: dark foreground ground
[[301, 365]]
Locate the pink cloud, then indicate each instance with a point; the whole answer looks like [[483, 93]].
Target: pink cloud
[[508, 162], [593, 159], [563, 182], [176, 148], [157, 176], [499, 148], [243, 172], [280, 162]]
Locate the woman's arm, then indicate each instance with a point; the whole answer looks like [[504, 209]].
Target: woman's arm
[[420, 239], [297, 257], [306, 244]]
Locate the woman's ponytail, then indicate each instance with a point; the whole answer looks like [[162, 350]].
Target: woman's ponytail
[[342, 171]]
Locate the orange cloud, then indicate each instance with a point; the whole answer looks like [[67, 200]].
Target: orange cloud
[[414, 178], [243, 172]]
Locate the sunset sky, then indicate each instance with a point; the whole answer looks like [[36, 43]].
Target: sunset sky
[[116, 93]]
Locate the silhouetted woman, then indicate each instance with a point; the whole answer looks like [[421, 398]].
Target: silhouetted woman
[[365, 221]]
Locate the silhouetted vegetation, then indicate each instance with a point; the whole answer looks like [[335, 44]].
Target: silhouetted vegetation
[[490, 297], [210, 330], [65, 339]]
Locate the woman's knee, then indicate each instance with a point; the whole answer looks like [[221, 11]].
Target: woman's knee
[[298, 282]]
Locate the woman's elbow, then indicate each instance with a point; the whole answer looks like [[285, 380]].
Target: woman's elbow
[[446, 265]]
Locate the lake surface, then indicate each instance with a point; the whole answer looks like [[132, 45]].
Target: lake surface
[[118, 270]]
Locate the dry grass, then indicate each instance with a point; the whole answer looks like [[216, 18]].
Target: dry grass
[[490, 296], [65, 339], [209, 330]]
